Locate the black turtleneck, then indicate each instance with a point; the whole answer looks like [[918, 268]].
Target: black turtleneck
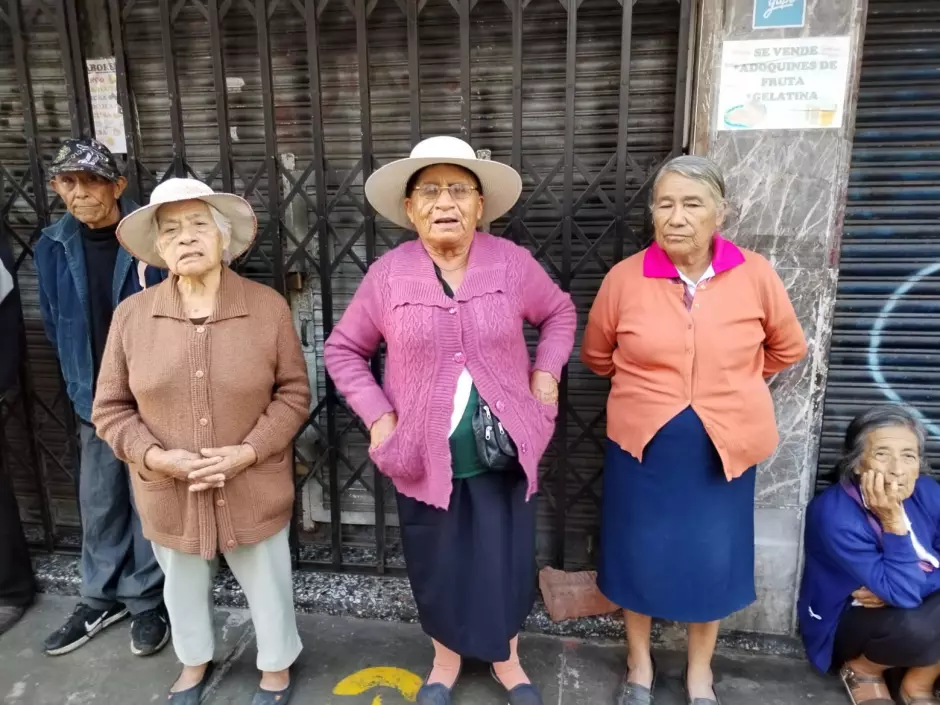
[[101, 250]]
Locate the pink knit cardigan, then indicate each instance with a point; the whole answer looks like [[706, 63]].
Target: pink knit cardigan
[[430, 338]]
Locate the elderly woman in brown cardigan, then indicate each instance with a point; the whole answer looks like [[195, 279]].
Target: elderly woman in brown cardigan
[[202, 388]]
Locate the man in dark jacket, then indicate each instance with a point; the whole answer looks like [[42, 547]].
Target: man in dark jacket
[[16, 573], [84, 273]]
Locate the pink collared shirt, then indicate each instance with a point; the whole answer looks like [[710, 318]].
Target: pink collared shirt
[[666, 351]]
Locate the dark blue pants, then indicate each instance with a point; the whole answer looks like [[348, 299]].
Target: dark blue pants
[[16, 572], [118, 564]]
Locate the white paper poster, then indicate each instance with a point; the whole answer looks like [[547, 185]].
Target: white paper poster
[[105, 109], [783, 84]]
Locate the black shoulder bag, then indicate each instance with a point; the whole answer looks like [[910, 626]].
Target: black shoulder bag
[[495, 448]]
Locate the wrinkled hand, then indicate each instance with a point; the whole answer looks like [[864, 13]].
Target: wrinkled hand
[[544, 387], [228, 461], [178, 463], [884, 500], [866, 598], [381, 430]]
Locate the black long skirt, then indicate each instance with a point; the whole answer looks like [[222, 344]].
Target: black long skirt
[[891, 636], [472, 567]]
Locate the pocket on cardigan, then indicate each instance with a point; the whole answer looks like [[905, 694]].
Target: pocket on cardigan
[[549, 411], [393, 462], [158, 504], [272, 489]]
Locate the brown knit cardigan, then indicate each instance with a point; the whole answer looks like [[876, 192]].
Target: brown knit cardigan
[[238, 378]]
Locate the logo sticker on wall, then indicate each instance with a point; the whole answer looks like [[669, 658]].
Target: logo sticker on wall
[[777, 14]]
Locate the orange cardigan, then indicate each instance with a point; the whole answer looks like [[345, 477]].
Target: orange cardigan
[[714, 356]]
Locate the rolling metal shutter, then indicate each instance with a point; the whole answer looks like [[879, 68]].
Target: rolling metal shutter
[[886, 330], [36, 446], [584, 103]]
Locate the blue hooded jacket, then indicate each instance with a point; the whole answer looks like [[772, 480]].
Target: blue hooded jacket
[[64, 303], [844, 553]]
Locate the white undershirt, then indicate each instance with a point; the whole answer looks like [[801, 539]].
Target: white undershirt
[[691, 286], [461, 398], [922, 553]]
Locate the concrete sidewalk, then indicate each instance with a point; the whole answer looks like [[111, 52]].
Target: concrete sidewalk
[[382, 663]]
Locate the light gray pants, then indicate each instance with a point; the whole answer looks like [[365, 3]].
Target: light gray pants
[[264, 573]]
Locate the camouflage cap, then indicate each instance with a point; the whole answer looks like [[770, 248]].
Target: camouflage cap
[[85, 154]]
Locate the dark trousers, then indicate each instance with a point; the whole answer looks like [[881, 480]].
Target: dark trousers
[[16, 573], [890, 636], [118, 564]]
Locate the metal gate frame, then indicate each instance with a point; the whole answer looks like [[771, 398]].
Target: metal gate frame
[[23, 407], [270, 248]]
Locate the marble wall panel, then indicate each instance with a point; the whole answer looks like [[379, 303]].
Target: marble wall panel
[[788, 191], [778, 534]]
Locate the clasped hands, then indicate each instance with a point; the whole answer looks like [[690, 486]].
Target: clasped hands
[[208, 469]]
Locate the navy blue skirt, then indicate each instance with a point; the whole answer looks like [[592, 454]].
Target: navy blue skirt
[[472, 567], [677, 539]]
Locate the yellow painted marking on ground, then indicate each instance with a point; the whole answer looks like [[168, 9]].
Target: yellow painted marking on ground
[[405, 682]]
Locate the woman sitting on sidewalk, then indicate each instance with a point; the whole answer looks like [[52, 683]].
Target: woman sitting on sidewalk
[[870, 598]]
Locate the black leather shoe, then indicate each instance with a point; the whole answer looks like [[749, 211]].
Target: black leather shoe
[[10, 615], [525, 694], [633, 693], [697, 701], [191, 696], [273, 697], [435, 693]]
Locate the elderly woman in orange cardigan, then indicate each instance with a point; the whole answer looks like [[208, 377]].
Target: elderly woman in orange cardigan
[[687, 330]]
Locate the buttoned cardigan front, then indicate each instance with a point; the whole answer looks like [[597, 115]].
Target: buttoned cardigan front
[[239, 377], [665, 351]]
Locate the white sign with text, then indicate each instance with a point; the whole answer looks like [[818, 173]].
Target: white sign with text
[[783, 84], [105, 108]]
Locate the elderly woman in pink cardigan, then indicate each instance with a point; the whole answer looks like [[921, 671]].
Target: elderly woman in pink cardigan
[[464, 415]]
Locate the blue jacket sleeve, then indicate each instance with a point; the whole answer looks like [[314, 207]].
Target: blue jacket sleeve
[[931, 490], [47, 293], [154, 275], [893, 574]]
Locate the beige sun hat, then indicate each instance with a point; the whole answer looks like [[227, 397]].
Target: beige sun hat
[[385, 189], [138, 231]]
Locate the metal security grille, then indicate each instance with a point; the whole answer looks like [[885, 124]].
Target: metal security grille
[[886, 332], [41, 103], [294, 103]]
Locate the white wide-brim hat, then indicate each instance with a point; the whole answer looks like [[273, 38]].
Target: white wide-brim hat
[[138, 231], [501, 184]]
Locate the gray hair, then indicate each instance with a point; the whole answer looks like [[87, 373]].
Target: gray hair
[[853, 449], [225, 228], [699, 169]]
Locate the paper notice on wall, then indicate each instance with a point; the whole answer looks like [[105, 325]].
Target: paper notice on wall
[[105, 108], [783, 84]]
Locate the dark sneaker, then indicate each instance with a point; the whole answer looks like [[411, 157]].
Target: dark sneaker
[[10, 615], [84, 623], [150, 632]]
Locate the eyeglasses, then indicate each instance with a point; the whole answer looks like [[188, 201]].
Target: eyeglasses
[[459, 192]]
